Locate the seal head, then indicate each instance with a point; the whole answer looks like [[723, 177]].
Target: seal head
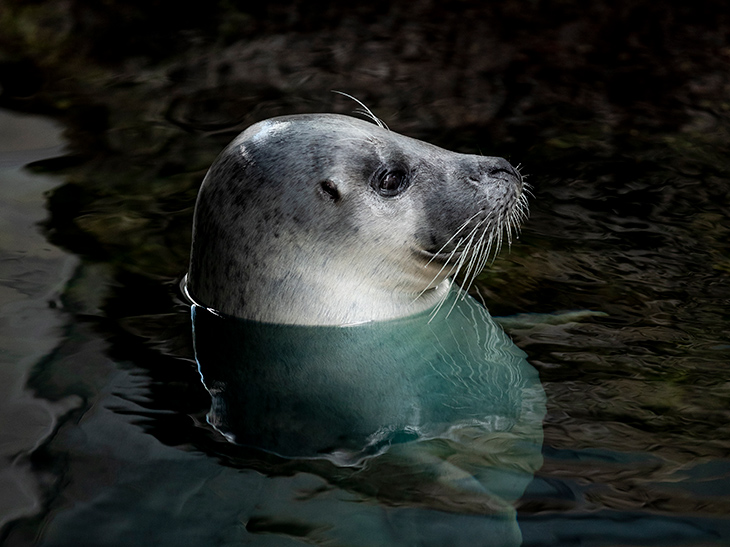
[[323, 219]]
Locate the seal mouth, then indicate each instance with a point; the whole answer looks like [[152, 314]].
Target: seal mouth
[[441, 257]]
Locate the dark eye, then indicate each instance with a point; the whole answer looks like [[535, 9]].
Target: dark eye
[[390, 183]]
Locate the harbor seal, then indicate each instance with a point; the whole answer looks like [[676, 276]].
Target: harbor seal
[[324, 219]]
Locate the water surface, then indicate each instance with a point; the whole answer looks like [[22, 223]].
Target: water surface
[[105, 416]]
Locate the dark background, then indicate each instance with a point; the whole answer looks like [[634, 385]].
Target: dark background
[[151, 91]]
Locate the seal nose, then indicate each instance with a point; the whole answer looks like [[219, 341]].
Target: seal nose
[[497, 168]]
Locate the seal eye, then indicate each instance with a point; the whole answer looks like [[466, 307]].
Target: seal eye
[[390, 183]]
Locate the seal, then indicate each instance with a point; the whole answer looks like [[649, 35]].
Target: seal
[[324, 219]]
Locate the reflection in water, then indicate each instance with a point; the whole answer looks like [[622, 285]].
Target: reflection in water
[[441, 413], [33, 274]]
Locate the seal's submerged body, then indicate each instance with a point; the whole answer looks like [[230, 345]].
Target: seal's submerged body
[[305, 223], [323, 219]]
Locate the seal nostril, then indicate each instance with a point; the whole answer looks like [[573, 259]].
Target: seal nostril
[[502, 170], [493, 168], [500, 167], [494, 173]]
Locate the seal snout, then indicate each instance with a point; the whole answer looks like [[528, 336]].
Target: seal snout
[[501, 169], [485, 172]]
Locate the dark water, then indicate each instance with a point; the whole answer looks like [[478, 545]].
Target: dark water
[[104, 436]]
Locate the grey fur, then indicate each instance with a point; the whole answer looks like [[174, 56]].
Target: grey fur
[[272, 243]]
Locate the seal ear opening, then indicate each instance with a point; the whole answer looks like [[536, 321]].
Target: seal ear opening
[[329, 190]]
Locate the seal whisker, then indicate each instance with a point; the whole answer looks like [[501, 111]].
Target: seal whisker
[[446, 262], [524, 203], [495, 242], [485, 258], [465, 252], [508, 231], [520, 214], [499, 240], [470, 258], [527, 189], [455, 268], [365, 111], [518, 217], [474, 255], [437, 308], [466, 223], [366, 138], [480, 259], [469, 239], [466, 274], [477, 249], [471, 272]]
